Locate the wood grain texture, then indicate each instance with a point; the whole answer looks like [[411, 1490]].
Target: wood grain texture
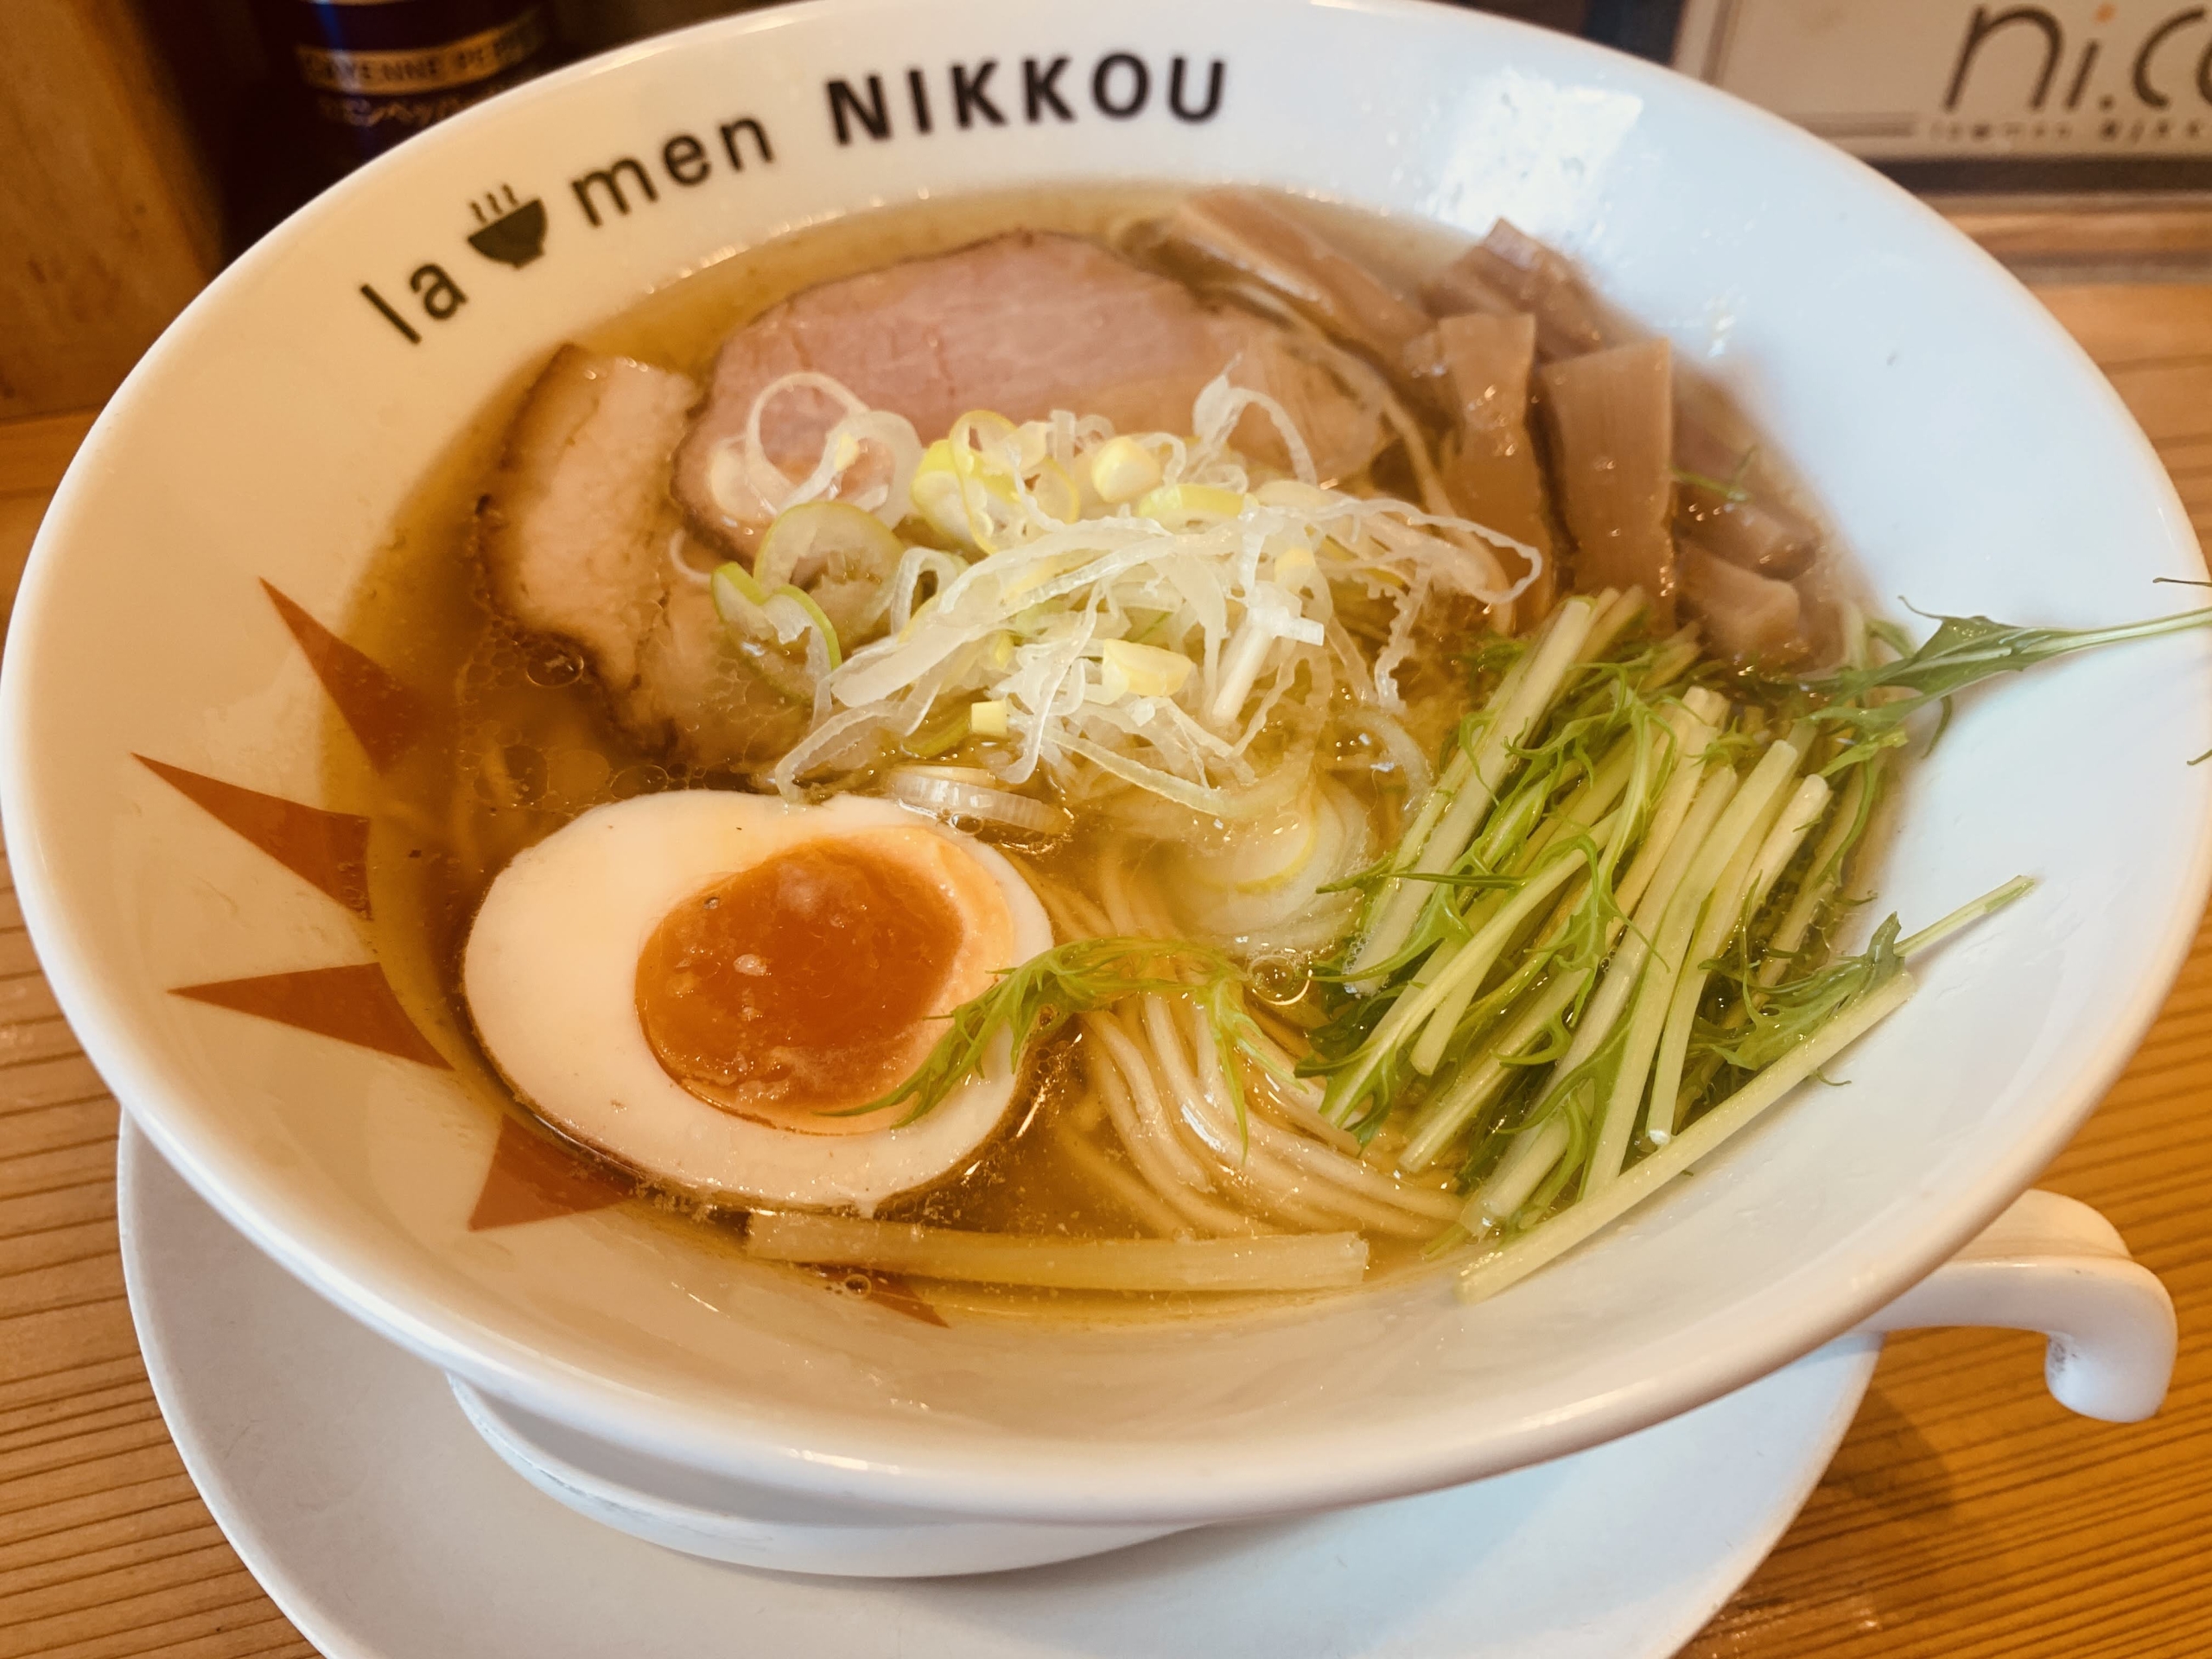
[[33, 455], [2101, 228], [1966, 1515], [2116, 239], [109, 219]]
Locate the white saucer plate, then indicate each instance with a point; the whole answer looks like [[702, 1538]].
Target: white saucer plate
[[344, 1473]]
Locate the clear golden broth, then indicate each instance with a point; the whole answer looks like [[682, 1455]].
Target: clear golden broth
[[520, 742]]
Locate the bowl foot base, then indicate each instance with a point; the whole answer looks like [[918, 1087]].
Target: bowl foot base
[[726, 1520]]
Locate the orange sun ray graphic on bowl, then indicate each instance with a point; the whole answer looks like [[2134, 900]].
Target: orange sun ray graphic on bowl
[[532, 1177]]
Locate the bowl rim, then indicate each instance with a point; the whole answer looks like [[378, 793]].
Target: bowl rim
[[1007, 1474]]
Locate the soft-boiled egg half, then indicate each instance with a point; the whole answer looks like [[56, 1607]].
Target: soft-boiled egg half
[[703, 984]]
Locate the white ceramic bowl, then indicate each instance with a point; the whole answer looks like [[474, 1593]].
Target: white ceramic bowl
[[1971, 456]]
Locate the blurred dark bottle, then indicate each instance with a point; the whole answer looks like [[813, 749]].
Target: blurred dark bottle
[[310, 89], [1647, 28], [368, 73]]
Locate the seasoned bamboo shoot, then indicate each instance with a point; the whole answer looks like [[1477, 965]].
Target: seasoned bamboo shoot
[[1274, 1262], [1238, 230], [1493, 472], [1612, 421]]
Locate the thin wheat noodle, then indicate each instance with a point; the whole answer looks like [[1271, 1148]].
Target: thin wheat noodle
[[1113, 1080], [1061, 907], [1131, 1192], [1087, 920], [1359, 1182], [1344, 1193], [1280, 1152], [1158, 1122], [1123, 1079], [1274, 1185], [1290, 1106]]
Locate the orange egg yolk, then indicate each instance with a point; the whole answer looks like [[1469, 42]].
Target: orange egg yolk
[[812, 982]]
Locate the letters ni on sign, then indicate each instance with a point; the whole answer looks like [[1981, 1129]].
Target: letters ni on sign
[[1968, 81]]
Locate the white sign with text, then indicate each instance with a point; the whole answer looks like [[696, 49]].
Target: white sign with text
[[1899, 80]]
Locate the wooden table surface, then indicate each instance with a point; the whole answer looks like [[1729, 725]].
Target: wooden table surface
[[1966, 1515]]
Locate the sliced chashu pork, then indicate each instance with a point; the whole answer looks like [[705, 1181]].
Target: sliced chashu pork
[[580, 540], [1243, 233], [575, 527], [1023, 324]]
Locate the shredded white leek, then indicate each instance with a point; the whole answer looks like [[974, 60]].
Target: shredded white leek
[[1132, 612], [753, 490]]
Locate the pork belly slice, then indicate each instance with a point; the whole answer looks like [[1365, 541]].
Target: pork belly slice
[[1746, 616], [700, 698], [1612, 424], [1509, 270], [1752, 530], [574, 529], [1490, 465], [1236, 232], [579, 539], [1023, 324]]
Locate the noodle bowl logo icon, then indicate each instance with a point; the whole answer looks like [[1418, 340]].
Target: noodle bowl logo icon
[[513, 233]]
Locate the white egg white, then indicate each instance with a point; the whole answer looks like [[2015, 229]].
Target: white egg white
[[549, 973]]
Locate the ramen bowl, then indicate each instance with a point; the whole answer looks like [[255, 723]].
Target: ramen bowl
[[194, 889]]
